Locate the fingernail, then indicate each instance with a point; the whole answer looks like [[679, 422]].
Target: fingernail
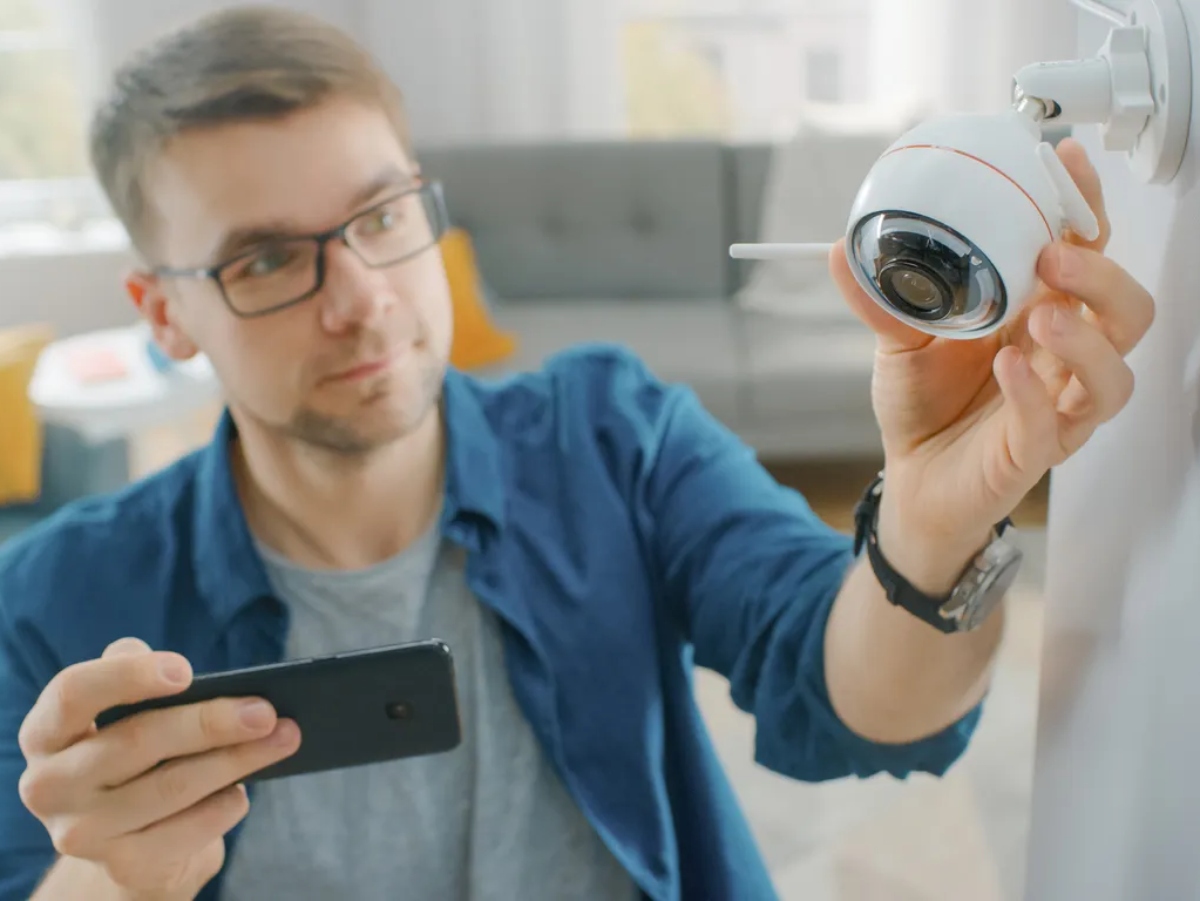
[[1058, 321], [127, 646], [174, 671], [284, 734], [256, 714], [1068, 261]]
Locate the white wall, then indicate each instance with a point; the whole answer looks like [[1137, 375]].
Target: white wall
[[470, 69], [962, 55], [1115, 812]]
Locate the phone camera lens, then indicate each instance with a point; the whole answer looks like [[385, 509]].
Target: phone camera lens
[[398, 710]]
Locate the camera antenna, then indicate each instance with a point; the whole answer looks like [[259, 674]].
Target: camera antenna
[[814, 252]]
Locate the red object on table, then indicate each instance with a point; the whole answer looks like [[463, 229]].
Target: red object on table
[[97, 364]]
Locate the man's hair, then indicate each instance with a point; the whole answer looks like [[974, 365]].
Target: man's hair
[[237, 65]]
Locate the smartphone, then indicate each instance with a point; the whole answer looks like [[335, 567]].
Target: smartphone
[[359, 707]]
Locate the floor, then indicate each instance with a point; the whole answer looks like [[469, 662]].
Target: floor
[[959, 838]]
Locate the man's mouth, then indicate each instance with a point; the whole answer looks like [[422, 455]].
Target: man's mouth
[[364, 370]]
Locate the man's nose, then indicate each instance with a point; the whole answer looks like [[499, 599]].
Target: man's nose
[[353, 293]]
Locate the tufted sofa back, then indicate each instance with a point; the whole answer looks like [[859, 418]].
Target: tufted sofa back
[[604, 219]]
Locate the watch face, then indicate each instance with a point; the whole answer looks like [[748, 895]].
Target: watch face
[[984, 585]]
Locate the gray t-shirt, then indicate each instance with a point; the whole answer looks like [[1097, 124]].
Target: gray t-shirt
[[488, 821]]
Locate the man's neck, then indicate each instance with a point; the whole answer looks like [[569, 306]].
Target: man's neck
[[325, 512]]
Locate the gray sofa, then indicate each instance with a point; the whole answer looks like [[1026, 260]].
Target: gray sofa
[[628, 242]]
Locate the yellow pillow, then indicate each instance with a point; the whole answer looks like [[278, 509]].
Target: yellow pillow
[[478, 342], [20, 428]]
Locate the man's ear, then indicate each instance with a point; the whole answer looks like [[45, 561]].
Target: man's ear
[[149, 297]]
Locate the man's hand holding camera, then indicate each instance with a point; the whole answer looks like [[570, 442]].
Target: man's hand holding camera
[[969, 427]]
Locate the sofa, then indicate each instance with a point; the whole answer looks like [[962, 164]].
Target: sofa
[[623, 242], [628, 242]]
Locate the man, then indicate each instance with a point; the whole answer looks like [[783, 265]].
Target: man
[[582, 536]]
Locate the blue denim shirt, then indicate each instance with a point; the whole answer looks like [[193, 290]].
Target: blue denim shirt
[[621, 535]]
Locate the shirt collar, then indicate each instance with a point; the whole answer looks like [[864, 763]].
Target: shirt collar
[[229, 571], [474, 470]]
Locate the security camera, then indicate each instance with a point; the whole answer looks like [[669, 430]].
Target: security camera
[[947, 228]]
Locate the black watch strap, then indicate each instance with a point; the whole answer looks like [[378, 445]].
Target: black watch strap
[[898, 589]]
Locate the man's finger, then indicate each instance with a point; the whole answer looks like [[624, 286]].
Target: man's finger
[[127, 749], [1095, 363], [1030, 428], [1074, 156], [139, 857], [1124, 309], [178, 784], [894, 335], [68, 706]]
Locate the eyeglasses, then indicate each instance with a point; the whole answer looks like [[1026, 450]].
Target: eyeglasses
[[280, 273]]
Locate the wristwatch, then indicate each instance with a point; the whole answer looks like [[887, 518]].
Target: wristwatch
[[979, 589]]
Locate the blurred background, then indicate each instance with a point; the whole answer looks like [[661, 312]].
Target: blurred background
[[599, 156]]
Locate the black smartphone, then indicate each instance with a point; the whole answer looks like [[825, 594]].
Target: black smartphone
[[359, 707]]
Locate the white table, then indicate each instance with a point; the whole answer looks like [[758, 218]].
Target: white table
[[119, 407]]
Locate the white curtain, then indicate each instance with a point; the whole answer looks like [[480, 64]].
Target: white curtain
[[470, 69], [535, 69]]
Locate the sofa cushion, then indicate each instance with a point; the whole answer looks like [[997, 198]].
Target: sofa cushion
[[689, 341], [810, 188], [807, 386], [582, 220], [477, 341], [795, 366]]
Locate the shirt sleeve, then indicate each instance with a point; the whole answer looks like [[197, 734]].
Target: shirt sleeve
[[751, 573], [26, 850]]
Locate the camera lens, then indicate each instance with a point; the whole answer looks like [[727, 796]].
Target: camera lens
[[398, 710], [917, 289], [926, 272], [921, 276], [922, 293]]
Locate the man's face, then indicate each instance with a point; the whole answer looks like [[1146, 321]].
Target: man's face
[[358, 364]]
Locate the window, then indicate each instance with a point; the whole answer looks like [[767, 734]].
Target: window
[[45, 183], [753, 69], [41, 127]]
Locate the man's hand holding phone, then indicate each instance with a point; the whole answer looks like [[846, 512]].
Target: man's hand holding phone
[[148, 800]]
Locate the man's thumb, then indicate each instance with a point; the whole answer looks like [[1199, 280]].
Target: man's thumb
[[893, 334], [124, 646]]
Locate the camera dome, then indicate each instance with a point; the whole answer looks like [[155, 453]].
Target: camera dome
[[927, 271], [946, 229]]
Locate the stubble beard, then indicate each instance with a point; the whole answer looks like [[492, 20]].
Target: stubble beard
[[363, 432]]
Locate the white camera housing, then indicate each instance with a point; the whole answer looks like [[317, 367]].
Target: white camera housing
[[946, 229]]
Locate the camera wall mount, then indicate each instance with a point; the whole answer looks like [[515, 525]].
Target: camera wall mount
[[1138, 87]]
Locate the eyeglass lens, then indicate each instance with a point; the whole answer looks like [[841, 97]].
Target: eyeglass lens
[[280, 272]]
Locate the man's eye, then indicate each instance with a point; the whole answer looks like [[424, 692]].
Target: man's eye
[[266, 262], [379, 221]]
